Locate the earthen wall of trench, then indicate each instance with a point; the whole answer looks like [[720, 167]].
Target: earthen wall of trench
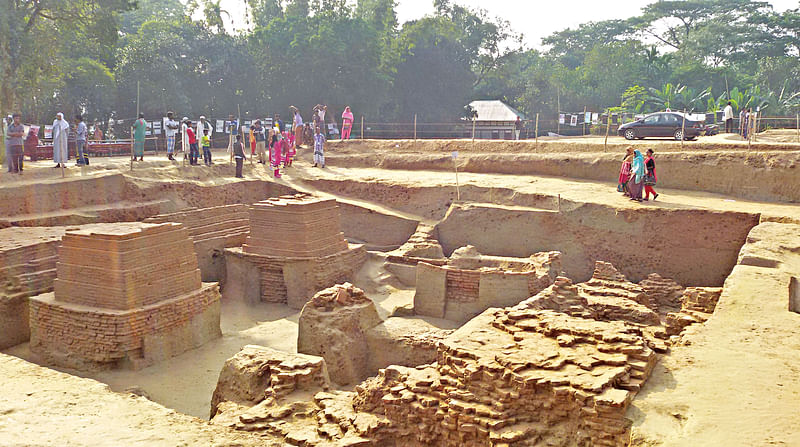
[[695, 247]]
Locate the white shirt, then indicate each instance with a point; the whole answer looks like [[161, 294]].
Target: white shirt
[[170, 132], [728, 112]]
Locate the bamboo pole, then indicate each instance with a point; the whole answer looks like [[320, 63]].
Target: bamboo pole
[[536, 136], [608, 129], [583, 118], [415, 127], [558, 112], [683, 128], [798, 127], [137, 117], [362, 127]]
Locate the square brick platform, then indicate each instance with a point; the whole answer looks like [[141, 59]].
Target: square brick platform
[[295, 248], [126, 294]]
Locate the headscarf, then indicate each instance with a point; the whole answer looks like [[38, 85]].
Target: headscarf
[[637, 167], [60, 122], [347, 115]]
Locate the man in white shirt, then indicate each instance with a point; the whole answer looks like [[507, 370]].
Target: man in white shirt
[[170, 130], [727, 116]]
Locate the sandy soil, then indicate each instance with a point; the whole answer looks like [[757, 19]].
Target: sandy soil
[[732, 384]]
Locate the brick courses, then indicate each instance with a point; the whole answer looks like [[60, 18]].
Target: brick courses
[[117, 285]]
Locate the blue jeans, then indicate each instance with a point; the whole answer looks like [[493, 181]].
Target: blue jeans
[[83, 155], [194, 153]]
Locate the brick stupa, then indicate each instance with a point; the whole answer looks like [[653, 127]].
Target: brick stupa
[[126, 294], [295, 248]]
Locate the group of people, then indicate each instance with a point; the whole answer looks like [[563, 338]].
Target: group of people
[[746, 117], [638, 174]]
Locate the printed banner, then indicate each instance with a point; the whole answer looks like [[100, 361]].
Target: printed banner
[[48, 132], [573, 120], [588, 118], [561, 118], [595, 118], [220, 126]]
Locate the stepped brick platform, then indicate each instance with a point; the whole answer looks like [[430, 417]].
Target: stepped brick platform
[[126, 294], [295, 248], [469, 283], [212, 230], [27, 268]]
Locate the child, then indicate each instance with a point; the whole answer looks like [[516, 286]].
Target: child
[[319, 154], [275, 154], [206, 148], [192, 139], [238, 154], [290, 149]]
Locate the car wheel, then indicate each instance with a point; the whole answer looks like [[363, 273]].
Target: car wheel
[[630, 134], [679, 134]]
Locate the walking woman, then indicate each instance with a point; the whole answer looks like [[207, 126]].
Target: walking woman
[[650, 178], [637, 180], [625, 172]]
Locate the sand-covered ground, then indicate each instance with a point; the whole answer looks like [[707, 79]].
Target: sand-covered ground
[[731, 384]]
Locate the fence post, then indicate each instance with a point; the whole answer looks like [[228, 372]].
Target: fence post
[[415, 127], [583, 118], [473, 129], [798, 127], [362, 127], [608, 129], [683, 128], [536, 132]]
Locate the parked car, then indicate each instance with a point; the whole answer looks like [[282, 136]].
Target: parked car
[[663, 124], [712, 129]]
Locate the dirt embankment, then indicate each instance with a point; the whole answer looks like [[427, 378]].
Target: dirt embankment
[[694, 247], [770, 174]]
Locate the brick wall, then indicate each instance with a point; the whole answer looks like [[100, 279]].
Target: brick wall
[[107, 336], [462, 285]]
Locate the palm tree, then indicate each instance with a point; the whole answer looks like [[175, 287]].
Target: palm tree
[[665, 98], [213, 13]]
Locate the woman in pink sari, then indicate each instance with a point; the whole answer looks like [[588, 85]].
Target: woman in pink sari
[[625, 172], [347, 123]]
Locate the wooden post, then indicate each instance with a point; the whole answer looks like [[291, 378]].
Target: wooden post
[[798, 127], [137, 117], [415, 127], [473, 130], [362, 127], [583, 118], [608, 129], [558, 112], [536, 136], [683, 127]]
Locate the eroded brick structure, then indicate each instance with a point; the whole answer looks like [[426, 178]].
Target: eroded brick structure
[[467, 285], [295, 248], [126, 294]]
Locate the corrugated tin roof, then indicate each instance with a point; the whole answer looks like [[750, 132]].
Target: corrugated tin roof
[[495, 110]]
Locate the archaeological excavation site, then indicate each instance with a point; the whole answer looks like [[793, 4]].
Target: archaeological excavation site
[[408, 295]]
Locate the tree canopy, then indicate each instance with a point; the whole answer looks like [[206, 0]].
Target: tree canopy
[[87, 56]]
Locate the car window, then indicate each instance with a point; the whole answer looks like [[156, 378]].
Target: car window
[[651, 120], [671, 120]]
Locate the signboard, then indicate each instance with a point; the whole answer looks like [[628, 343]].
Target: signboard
[[573, 120], [595, 118], [587, 119], [561, 118], [48, 132], [220, 126]]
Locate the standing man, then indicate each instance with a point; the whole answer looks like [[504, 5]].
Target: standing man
[[233, 126], [139, 130], [517, 128], [170, 131], [60, 140], [278, 123], [185, 124], [14, 135], [261, 143], [202, 126], [7, 122], [81, 137], [297, 122], [191, 140], [727, 115]]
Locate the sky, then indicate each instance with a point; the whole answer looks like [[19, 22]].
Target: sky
[[534, 19]]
